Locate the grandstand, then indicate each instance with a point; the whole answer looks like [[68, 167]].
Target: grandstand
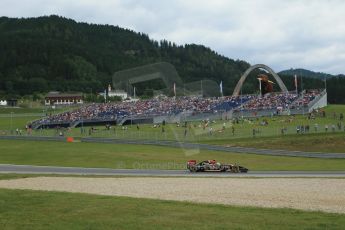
[[182, 108], [139, 111]]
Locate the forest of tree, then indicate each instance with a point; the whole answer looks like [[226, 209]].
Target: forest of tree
[[308, 73], [54, 53]]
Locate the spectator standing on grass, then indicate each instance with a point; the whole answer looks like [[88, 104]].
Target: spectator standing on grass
[[30, 129], [341, 116], [210, 131], [326, 127], [333, 127]]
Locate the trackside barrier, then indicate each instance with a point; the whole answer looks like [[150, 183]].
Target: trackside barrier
[[243, 150], [33, 138], [188, 145]]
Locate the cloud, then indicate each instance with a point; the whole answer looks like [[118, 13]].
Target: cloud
[[282, 34]]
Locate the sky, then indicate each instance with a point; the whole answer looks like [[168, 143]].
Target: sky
[[282, 34]]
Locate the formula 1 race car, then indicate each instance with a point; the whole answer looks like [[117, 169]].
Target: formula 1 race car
[[214, 166]]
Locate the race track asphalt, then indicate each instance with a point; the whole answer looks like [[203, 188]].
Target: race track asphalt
[[50, 170]]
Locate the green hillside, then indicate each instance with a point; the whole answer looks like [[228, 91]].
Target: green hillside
[[55, 53], [306, 73]]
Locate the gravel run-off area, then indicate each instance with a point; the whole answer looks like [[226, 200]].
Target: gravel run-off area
[[318, 194]]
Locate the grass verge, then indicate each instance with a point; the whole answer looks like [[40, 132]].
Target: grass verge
[[24, 209], [320, 142], [144, 157]]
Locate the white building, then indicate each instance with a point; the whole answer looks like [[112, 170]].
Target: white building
[[3, 102], [115, 93], [118, 93]]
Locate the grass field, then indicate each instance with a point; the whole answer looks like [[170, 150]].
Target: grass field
[[24, 209], [18, 110], [13, 118], [21, 121], [313, 142], [39, 109], [144, 157], [317, 142], [195, 132]]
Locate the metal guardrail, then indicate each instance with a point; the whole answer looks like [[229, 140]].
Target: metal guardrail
[[32, 138], [189, 145]]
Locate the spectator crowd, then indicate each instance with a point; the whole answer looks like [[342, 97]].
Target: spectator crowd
[[172, 106]]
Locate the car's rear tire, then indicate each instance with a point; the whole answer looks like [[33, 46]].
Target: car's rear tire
[[235, 169], [192, 169]]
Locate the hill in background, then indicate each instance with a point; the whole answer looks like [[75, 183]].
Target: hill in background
[[308, 73], [55, 53]]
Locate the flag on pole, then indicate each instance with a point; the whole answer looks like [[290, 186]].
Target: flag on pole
[[134, 92], [175, 89], [105, 94], [221, 87], [296, 82], [260, 86]]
